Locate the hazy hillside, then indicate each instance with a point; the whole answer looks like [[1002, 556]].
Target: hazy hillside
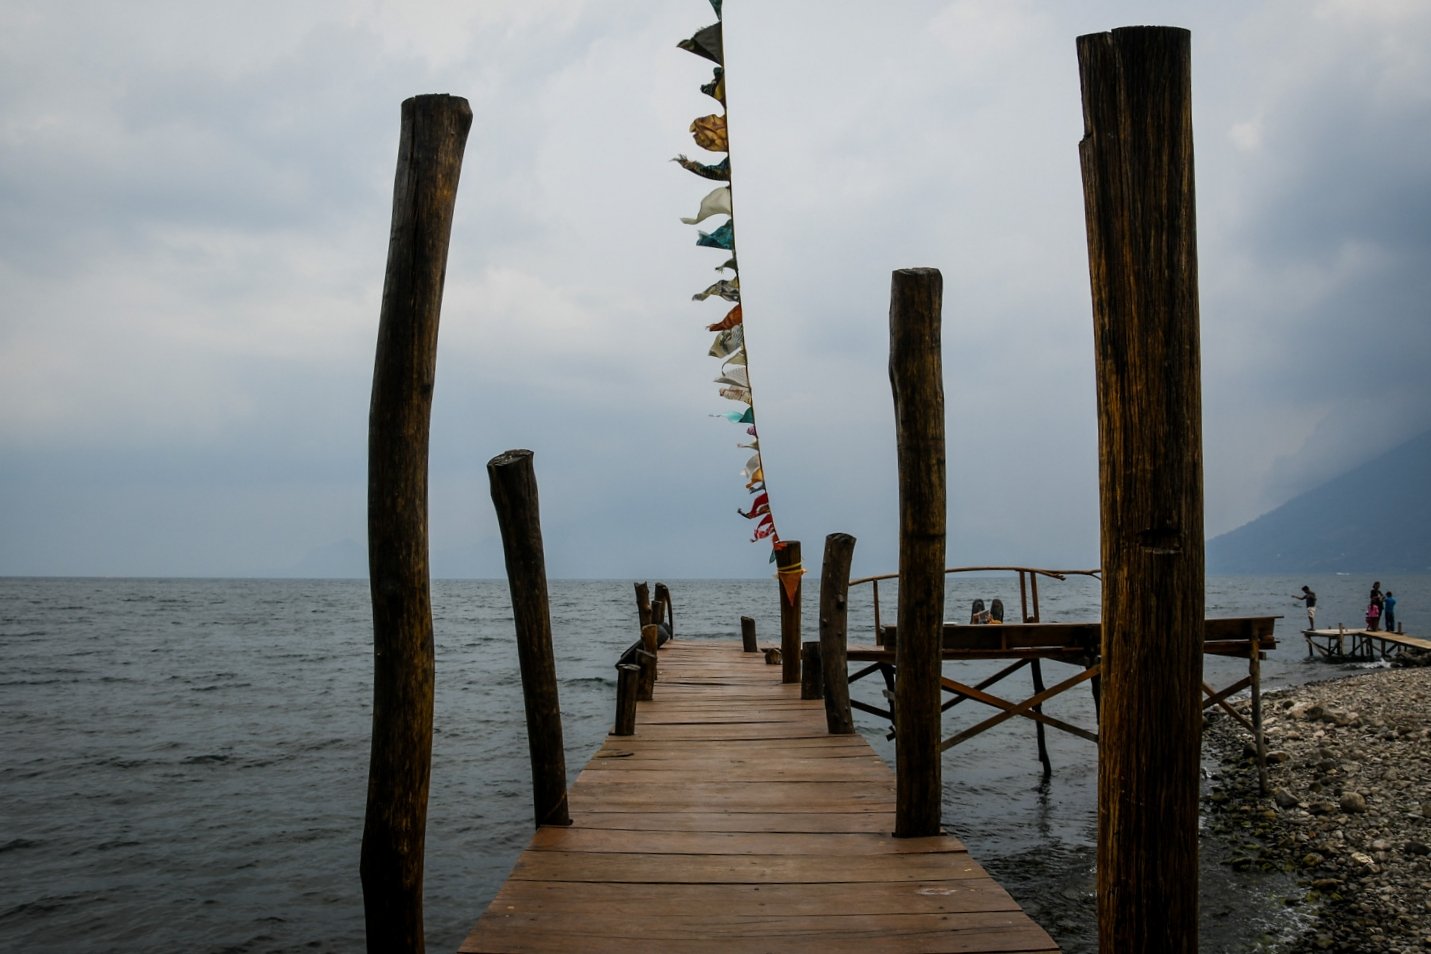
[[1376, 518]]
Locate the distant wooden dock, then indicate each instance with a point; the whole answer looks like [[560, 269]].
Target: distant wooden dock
[[733, 821], [1344, 643]]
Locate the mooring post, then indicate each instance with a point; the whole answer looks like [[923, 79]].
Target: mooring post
[[658, 617], [514, 494], [834, 632], [663, 593], [788, 573], [1137, 162], [747, 635], [432, 139], [628, 681], [917, 379], [650, 643], [643, 603], [812, 676], [1254, 670], [1036, 669]]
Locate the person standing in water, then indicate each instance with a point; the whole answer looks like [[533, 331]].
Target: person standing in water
[[1311, 600]]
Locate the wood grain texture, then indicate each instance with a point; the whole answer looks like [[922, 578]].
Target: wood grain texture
[[514, 496], [917, 380], [834, 632], [762, 834], [1137, 159], [432, 140]]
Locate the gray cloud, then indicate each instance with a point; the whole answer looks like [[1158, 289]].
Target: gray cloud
[[194, 211]]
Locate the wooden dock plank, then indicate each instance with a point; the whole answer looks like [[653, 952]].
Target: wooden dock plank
[[732, 822]]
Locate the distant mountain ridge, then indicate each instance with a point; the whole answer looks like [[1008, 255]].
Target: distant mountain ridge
[[1375, 518]]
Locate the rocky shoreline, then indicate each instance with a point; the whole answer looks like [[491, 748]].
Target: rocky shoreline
[[1348, 809]]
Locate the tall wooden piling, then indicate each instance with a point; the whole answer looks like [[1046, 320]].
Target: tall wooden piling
[[1137, 159], [834, 632], [916, 377], [514, 494], [430, 147], [788, 572]]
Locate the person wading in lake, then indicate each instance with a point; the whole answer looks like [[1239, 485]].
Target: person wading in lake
[[1311, 599]]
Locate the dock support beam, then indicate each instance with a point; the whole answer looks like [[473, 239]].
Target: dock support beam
[[1137, 162], [514, 494], [747, 635], [917, 379], [432, 139], [788, 572], [834, 632]]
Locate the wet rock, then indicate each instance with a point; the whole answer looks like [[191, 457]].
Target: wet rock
[[1352, 817]]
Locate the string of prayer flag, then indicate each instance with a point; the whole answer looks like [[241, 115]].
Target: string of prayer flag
[[712, 134]]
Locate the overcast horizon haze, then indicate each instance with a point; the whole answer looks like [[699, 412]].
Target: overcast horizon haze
[[196, 199]]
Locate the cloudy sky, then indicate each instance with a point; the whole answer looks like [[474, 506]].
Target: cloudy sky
[[194, 207]]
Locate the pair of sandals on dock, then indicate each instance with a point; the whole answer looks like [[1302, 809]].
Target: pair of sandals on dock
[[978, 615]]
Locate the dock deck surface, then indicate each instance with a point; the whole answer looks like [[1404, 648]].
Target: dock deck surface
[[732, 821]]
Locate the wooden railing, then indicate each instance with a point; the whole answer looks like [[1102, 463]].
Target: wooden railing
[[1028, 586]]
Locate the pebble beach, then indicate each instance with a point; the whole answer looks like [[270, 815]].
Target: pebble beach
[[1347, 810]]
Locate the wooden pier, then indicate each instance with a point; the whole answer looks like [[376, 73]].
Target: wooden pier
[[1360, 644], [733, 821]]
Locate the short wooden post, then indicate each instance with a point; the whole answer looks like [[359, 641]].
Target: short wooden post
[[628, 683], [834, 632], [663, 593], [643, 603], [1036, 668], [514, 494], [650, 642], [788, 573], [431, 142], [1137, 160], [811, 675], [747, 635], [916, 377], [1254, 670]]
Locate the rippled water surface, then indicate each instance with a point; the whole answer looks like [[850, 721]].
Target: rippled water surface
[[183, 763]]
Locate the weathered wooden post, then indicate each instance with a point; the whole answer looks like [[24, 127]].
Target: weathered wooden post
[[643, 603], [658, 615], [834, 632], [650, 643], [812, 675], [916, 377], [1254, 670], [514, 494], [663, 593], [628, 680], [1137, 159], [432, 140], [788, 572], [747, 635]]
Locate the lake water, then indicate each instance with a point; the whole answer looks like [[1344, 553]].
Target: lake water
[[183, 763]]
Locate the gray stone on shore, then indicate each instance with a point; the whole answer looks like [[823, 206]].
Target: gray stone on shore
[[1348, 808]]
